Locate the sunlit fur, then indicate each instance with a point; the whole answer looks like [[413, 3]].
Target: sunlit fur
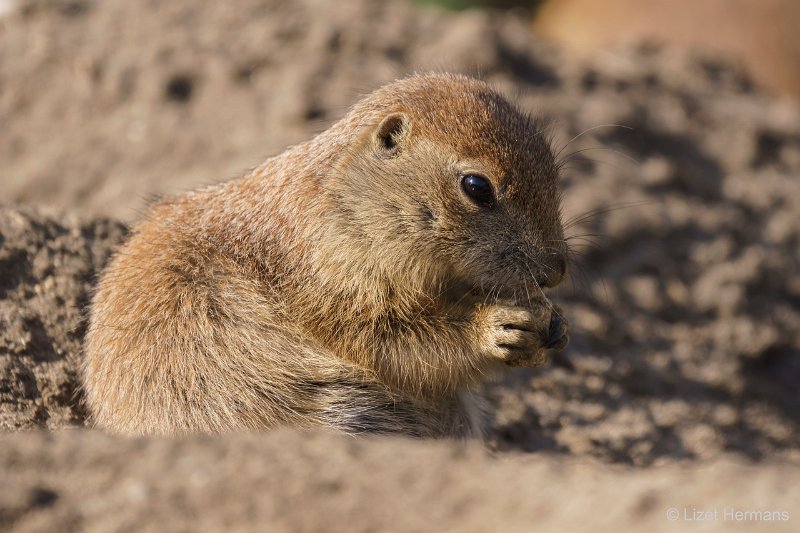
[[347, 283]]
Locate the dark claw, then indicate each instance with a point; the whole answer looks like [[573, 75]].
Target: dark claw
[[557, 337]]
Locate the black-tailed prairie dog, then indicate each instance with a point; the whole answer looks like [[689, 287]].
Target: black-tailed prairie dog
[[364, 281]]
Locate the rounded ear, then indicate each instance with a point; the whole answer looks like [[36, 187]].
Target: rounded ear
[[391, 133]]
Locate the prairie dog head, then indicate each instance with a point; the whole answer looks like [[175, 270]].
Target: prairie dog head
[[445, 175]]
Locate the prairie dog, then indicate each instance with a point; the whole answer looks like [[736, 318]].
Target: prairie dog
[[364, 281]]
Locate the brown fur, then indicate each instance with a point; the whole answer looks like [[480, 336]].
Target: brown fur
[[347, 283]]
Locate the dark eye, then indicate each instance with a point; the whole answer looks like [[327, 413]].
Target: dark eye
[[478, 189]]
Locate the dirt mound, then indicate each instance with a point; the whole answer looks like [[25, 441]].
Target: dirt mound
[[685, 293], [287, 481], [47, 267]]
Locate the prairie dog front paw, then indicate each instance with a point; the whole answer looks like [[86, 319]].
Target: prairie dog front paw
[[518, 336]]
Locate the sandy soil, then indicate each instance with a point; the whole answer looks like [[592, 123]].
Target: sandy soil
[[313, 482], [682, 374]]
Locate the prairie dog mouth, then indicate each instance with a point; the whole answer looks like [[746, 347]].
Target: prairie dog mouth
[[512, 296], [465, 290]]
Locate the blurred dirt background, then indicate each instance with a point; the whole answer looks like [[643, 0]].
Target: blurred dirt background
[[681, 385], [760, 35]]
